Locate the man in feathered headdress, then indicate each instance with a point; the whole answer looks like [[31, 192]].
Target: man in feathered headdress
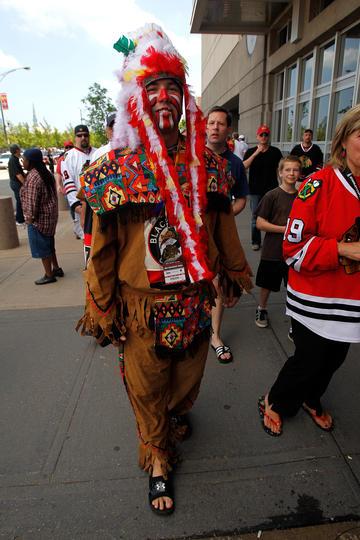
[[162, 216]]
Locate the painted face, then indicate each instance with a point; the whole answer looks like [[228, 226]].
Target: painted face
[[165, 99], [217, 129]]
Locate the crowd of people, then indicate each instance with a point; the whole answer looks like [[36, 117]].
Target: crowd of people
[[163, 259]]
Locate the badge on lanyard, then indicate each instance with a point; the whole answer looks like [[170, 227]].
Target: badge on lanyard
[[174, 273], [164, 261]]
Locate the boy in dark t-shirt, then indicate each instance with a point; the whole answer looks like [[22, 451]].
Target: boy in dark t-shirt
[[272, 214], [262, 162]]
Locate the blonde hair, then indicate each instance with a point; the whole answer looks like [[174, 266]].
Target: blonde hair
[[349, 123], [292, 159]]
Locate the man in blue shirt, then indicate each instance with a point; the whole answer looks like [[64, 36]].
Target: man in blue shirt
[[218, 128]]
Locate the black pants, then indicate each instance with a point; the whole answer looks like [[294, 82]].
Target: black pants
[[306, 375], [16, 186]]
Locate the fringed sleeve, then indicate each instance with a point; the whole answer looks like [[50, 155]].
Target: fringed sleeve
[[229, 259], [103, 317]]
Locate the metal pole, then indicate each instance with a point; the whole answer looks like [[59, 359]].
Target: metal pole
[[4, 126], [2, 77]]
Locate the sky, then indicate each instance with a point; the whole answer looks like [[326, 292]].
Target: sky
[[68, 45]]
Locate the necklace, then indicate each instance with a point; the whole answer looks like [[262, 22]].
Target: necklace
[[351, 181]]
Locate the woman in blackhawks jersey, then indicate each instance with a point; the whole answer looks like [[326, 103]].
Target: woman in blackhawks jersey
[[322, 248]]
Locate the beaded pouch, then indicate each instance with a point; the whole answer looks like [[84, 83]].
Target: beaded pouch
[[179, 318]]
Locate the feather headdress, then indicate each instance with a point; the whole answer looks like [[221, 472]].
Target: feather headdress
[[149, 55]]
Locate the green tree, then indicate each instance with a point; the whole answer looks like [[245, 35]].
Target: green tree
[[98, 106], [26, 136], [182, 124], [43, 135]]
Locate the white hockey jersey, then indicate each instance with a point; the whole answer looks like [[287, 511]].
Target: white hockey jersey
[[101, 151], [74, 162]]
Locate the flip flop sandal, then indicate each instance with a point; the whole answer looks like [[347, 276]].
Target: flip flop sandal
[[315, 416], [219, 351], [228, 350], [263, 414], [159, 487]]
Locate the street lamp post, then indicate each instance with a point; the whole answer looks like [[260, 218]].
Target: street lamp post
[[2, 77]]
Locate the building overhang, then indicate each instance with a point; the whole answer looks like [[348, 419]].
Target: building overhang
[[235, 16]]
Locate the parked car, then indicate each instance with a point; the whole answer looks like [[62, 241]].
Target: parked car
[[4, 160]]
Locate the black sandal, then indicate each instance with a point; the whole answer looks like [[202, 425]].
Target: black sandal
[[220, 350], [159, 487]]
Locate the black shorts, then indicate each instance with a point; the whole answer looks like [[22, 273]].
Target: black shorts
[[270, 274]]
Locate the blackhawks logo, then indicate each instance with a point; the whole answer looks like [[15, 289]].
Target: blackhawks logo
[[310, 188]]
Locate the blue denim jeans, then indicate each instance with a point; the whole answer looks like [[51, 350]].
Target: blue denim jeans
[[255, 233]]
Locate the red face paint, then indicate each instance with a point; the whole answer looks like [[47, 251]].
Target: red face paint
[[165, 120], [166, 103]]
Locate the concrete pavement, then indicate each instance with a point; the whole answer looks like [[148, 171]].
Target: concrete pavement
[[68, 440]]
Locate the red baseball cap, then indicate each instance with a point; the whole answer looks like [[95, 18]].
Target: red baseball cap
[[68, 144], [263, 129]]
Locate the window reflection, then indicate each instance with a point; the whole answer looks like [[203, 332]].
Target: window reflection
[[290, 116], [277, 127], [307, 69], [343, 102], [321, 117], [280, 86], [349, 55], [304, 118], [326, 63], [291, 82]]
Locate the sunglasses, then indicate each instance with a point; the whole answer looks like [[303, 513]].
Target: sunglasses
[[82, 134], [264, 134]]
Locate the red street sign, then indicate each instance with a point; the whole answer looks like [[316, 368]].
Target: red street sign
[[4, 102]]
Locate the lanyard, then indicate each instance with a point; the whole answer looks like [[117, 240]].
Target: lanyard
[[351, 181]]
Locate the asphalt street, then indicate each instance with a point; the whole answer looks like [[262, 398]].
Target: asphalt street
[[68, 467]]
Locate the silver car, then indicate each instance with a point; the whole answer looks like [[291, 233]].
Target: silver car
[[4, 160]]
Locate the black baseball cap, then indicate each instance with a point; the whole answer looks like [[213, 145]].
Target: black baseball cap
[[110, 119], [81, 128]]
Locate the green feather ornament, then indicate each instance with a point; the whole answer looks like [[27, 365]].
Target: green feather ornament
[[124, 45]]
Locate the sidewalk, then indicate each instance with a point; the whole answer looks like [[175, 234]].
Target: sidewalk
[[68, 441]]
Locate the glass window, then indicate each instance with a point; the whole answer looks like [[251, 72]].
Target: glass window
[[349, 55], [343, 102], [291, 81], [326, 63], [280, 86], [307, 69], [304, 119], [317, 6], [277, 125], [289, 115], [321, 117], [283, 36]]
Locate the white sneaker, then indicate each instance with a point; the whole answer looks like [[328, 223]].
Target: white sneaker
[[261, 318]]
